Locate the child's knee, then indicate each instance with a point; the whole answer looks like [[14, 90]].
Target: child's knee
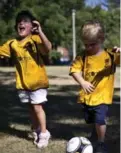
[[37, 108]]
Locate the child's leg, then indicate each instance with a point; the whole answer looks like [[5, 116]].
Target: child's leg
[[100, 117], [101, 147], [37, 99], [44, 136], [39, 117], [89, 118], [101, 130], [24, 97], [97, 116], [93, 136], [33, 116]]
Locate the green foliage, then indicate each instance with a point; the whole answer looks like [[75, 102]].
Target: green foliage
[[55, 55], [56, 20]]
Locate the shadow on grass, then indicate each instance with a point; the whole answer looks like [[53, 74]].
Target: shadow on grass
[[63, 114]]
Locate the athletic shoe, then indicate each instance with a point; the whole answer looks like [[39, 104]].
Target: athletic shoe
[[101, 148], [43, 139], [36, 134]]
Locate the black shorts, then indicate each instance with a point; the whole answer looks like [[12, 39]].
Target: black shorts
[[95, 114]]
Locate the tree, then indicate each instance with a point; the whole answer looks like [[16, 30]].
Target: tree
[[56, 20]]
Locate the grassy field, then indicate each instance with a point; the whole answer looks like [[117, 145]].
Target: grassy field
[[64, 116]]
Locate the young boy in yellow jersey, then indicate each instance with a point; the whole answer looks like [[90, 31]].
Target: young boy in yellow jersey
[[31, 79], [94, 72]]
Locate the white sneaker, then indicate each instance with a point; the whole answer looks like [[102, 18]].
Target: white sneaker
[[43, 139], [36, 134]]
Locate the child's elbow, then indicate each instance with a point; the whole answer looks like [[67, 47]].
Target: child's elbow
[[48, 48]]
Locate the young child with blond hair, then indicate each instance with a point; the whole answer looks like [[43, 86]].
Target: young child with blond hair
[[94, 72]]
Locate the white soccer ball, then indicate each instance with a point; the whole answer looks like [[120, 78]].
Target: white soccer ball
[[79, 145]]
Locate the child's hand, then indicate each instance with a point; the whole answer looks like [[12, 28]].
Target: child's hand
[[116, 49], [87, 87], [36, 27]]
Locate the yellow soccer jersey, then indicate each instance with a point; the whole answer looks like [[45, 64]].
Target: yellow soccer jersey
[[99, 70], [30, 69]]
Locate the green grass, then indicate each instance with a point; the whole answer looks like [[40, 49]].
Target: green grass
[[64, 115]]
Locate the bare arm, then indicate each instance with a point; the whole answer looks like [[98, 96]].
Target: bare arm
[[86, 86], [5, 49], [46, 43]]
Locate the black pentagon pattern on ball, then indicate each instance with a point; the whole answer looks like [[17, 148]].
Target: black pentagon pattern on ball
[[82, 146]]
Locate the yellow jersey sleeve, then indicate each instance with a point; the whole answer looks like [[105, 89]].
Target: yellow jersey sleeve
[[116, 56], [5, 49], [40, 47], [76, 66], [37, 39]]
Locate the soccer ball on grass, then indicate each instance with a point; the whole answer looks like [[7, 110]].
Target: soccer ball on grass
[[79, 145]]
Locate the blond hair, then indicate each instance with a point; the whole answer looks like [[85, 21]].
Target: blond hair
[[93, 31]]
